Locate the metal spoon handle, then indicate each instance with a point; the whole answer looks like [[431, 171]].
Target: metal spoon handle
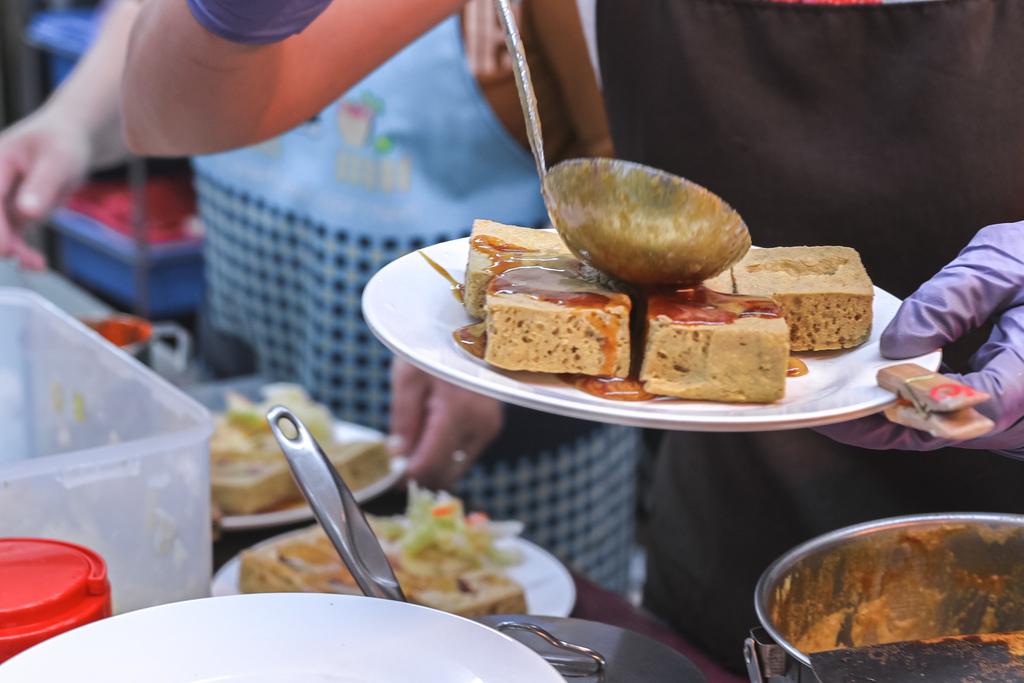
[[336, 509], [525, 85], [343, 521]]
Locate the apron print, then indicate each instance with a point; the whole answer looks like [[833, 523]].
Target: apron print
[[367, 162]]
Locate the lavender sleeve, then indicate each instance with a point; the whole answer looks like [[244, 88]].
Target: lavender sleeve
[[256, 22]]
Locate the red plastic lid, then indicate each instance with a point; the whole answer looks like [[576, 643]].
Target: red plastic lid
[[48, 587]]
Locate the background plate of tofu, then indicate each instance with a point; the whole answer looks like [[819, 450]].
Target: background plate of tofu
[[546, 584], [299, 511], [250, 480], [410, 306]]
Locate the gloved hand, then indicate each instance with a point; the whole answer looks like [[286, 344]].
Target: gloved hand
[[986, 281], [42, 159], [441, 427], [256, 22]]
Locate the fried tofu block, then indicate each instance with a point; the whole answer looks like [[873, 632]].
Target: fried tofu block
[[545, 311], [524, 334], [307, 562], [494, 247], [714, 347], [824, 293], [244, 481], [721, 282]]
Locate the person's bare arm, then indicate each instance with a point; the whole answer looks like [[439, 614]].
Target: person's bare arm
[[46, 155], [92, 92], [188, 91]]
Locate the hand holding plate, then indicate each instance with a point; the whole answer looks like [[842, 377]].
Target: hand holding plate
[[985, 282]]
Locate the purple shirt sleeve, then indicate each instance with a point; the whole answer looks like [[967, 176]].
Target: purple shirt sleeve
[[256, 22]]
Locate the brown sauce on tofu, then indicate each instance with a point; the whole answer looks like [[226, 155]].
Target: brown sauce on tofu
[[561, 283], [796, 368], [505, 256], [557, 278], [457, 288], [549, 276], [558, 284], [609, 330], [473, 339], [613, 388], [702, 306]]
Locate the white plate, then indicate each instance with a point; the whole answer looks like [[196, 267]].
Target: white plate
[[344, 432], [548, 585], [409, 306], [275, 637]]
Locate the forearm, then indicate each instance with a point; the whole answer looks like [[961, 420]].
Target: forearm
[[91, 95], [188, 91]]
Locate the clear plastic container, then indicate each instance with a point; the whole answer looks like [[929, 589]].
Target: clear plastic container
[[98, 450]]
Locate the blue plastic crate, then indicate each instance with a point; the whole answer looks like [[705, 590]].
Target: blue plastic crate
[[65, 35], [102, 259]]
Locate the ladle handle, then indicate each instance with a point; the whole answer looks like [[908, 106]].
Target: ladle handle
[[336, 509], [524, 84]]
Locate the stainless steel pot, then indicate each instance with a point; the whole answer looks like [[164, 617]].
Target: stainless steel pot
[[903, 578]]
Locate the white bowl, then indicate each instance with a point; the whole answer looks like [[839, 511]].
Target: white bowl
[[281, 637]]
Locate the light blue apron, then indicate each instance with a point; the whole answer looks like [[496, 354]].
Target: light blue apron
[[409, 157], [297, 226]]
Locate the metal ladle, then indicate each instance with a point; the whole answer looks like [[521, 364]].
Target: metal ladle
[[342, 519], [631, 221]]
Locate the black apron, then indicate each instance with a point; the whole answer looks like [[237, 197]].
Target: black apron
[[894, 129]]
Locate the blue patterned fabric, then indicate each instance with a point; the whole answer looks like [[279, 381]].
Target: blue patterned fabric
[[291, 287], [577, 499], [571, 484], [297, 226]]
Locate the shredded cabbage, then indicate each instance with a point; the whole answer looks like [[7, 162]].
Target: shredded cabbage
[[436, 529], [252, 417]]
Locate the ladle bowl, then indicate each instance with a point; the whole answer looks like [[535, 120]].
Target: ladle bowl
[[630, 221], [642, 224]]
